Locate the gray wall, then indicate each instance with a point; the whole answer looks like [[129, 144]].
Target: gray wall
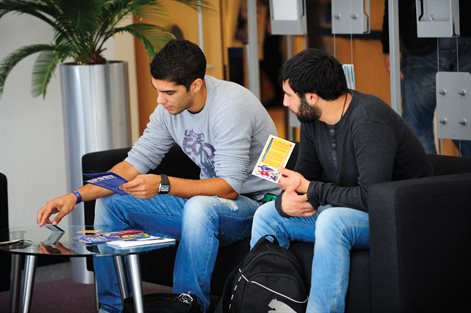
[[32, 152]]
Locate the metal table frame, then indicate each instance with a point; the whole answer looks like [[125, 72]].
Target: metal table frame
[[22, 287]]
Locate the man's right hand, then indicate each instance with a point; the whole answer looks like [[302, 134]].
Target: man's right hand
[[61, 205], [294, 204]]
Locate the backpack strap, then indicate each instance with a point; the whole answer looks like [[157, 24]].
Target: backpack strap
[[223, 304]]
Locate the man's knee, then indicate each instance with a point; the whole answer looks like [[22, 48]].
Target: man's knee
[[263, 222], [264, 213], [200, 211], [110, 209], [102, 209], [331, 220]]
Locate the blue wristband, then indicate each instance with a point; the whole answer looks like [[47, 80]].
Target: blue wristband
[[78, 196]]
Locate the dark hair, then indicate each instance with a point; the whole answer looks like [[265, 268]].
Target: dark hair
[[313, 70], [179, 61]]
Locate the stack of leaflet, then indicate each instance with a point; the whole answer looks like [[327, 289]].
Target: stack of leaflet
[[140, 242], [101, 237]]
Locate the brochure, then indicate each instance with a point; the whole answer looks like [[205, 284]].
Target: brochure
[[140, 242], [274, 155], [111, 236], [108, 180]]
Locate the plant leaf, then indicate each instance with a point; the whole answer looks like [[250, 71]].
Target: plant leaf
[[152, 36], [16, 56], [81, 27], [43, 70]]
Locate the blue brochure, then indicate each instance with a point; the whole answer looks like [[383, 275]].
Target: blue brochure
[[108, 180]]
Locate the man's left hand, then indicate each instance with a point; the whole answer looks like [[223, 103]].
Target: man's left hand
[[290, 178]]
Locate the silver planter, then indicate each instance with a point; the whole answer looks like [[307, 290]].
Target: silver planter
[[96, 116]]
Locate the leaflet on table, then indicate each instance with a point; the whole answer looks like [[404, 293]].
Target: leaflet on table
[[140, 242], [108, 180], [274, 155], [112, 236]]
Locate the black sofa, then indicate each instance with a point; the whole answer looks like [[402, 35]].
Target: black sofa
[[420, 232]]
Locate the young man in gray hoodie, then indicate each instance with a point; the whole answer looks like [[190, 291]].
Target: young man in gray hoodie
[[222, 127]]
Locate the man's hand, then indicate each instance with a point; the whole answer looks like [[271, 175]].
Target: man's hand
[[143, 186], [290, 178], [294, 204], [61, 205]]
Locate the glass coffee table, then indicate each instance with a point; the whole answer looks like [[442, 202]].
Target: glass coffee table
[[27, 243]]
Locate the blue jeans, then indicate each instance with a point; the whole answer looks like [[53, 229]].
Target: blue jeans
[[335, 231], [201, 224], [419, 88]]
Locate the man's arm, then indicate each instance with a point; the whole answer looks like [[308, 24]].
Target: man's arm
[[63, 205], [147, 186]]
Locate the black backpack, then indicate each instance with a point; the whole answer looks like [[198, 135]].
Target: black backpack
[[268, 279]]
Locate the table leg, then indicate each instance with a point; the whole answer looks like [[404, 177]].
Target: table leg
[[15, 282], [136, 283], [28, 282], [122, 277]]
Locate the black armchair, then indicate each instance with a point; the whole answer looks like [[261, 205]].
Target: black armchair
[[420, 231], [5, 260]]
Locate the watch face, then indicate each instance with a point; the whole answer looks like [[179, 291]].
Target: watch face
[[164, 188]]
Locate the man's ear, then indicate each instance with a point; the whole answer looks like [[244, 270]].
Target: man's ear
[[196, 85], [311, 98]]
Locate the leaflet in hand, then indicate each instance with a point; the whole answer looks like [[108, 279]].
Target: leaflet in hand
[[112, 236], [108, 180], [274, 155], [141, 242]]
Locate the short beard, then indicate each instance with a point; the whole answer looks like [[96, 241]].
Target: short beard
[[307, 113]]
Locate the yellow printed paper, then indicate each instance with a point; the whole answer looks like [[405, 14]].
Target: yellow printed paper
[[274, 155], [89, 231]]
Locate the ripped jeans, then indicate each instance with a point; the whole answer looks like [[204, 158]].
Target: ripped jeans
[[201, 224]]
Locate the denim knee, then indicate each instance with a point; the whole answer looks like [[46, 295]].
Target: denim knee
[[266, 222], [330, 223], [102, 209], [107, 212], [200, 212], [345, 226], [264, 213]]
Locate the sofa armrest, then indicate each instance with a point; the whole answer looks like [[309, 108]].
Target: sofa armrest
[[420, 234]]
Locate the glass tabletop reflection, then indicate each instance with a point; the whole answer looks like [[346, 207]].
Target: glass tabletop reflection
[[35, 240]]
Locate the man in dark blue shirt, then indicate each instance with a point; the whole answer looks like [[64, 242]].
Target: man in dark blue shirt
[[349, 141]]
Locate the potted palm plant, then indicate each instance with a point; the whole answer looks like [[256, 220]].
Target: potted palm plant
[[94, 90], [81, 28]]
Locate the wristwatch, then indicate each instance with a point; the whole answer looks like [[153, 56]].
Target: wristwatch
[[164, 186]]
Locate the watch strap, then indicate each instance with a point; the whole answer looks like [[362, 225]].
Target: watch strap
[[164, 186]]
